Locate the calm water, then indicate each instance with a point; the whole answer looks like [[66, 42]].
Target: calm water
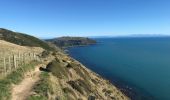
[[139, 66]]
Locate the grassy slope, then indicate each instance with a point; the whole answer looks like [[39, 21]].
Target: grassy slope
[[74, 83], [13, 78], [23, 39]]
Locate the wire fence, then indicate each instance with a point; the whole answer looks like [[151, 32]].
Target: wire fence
[[10, 62]]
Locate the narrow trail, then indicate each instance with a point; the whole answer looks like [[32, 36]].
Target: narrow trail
[[23, 89]]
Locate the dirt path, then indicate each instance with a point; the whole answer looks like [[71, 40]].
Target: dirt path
[[22, 90]]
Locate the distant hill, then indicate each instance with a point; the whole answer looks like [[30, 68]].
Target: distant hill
[[23, 39], [71, 41]]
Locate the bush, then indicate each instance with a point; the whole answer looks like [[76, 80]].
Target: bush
[[45, 54], [33, 97], [5, 89], [75, 86], [81, 86], [57, 69], [69, 94]]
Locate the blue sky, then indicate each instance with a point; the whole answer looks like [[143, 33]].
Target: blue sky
[[52, 18]]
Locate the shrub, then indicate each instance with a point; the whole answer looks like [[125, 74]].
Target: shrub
[[33, 97], [69, 93], [57, 69], [75, 86], [45, 54]]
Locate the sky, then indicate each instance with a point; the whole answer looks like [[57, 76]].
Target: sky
[[53, 18]]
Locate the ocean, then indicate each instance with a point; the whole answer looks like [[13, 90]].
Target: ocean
[[139, 66]]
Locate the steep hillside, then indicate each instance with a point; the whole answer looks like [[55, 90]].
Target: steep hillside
[[23, 39], [67, 79], [71, 41]]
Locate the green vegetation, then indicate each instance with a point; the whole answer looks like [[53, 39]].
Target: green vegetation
[[69, 93], [79, 70], [95, 81], [45, 54], [42, 88], [81, 86], [33, 97], [13, 78], [23, 39], [85, 85], [71, 41], [57, 69], [75, 86]]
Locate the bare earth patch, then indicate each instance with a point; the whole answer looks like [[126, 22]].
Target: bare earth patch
[[23, 89]]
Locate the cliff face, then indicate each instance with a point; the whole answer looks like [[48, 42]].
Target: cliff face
[[70, 80]]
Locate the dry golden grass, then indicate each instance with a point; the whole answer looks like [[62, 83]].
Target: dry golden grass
[[7, 48]]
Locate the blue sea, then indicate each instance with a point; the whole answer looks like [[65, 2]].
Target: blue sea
[[140, 67]]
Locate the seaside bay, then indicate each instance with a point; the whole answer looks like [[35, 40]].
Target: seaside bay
[[138, 66]]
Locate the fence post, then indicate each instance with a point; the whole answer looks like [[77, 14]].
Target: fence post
[[34, 56], [4, 66], [14, 60], [9, 63], [19, 59], [24, 58]]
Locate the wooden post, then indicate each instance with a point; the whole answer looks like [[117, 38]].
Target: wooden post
[[1, 66], [24, 58], [19, 59], [29, 57], [4, 66], [14, 60], [9, 63], [34, 56]]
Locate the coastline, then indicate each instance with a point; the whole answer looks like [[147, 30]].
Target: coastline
[[101, 88], [130, 90], [126, 97], [126, 92]]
